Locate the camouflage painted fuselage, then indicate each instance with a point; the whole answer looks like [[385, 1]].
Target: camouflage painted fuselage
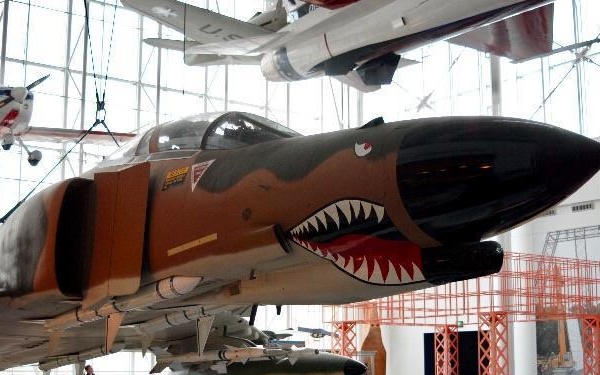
[[324, 219]]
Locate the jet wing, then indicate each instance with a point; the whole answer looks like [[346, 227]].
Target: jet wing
[[29, 337], [370, 76], [571, 48], [244, 46], [195, 23], [202, 59], [177, 45], [215, 59], [352, 79], [172, 333], [517, 38]]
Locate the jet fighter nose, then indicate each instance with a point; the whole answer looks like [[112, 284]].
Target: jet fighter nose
[[462, 179], [353, 367]]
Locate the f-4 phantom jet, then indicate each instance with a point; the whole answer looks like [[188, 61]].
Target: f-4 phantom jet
[[219, 213]]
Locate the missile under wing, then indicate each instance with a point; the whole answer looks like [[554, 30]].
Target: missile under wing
[[221, 212]]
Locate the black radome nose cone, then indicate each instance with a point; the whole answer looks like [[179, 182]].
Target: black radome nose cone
[[353, 367], [462, 179]]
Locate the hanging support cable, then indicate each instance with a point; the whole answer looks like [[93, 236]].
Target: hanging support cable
[[100, 99], [100, 112], [62, 158], [100, 115]]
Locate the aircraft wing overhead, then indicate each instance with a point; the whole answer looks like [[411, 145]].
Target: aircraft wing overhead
[[370, 79], [177, 45], [195, 23], [244, 46], [517, 38], [352, 79], [29, 341], [571, 48], [59, 135], [203, 59]]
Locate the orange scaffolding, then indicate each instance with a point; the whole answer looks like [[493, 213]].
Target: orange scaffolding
[[591, 345], [528, 288], [492, 344], [446, 350], [345, 344]]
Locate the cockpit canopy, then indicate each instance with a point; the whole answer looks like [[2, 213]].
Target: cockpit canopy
[[209, 131]]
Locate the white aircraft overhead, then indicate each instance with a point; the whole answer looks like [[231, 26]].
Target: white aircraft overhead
[[16, 107], [356, 41]]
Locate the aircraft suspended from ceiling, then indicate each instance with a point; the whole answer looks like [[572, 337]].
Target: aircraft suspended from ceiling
[[356, 41], [168, 243], [16, 108]]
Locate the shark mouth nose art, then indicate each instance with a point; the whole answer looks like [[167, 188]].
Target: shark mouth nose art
[[359, 238]]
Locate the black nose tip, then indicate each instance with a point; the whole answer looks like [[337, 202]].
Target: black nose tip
[[462, 179], [353, 367]]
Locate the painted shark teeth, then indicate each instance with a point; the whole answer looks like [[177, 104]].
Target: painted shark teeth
[[344, 206], [320, 216], [314, 222], [332, 212], [376, 277], [392, 277], [348, 209], [367, 268]]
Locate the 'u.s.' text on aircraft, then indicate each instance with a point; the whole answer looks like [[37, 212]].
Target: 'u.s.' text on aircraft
[[16, 107], [165, 244], [356, 41]]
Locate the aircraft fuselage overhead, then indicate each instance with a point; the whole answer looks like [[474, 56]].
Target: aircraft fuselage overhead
[[393, 28], [358, 42]]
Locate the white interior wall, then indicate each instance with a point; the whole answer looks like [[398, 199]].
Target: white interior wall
[[565, 218]]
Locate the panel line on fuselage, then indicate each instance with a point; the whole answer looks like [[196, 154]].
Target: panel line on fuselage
[[192, 244]]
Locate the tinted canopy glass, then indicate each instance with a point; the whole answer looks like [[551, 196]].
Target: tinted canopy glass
[[237, 129]]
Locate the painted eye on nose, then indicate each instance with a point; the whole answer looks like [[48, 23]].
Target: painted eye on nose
[[362, 149]]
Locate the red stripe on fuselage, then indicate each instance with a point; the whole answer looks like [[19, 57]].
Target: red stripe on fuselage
[[327, 45], [331, 4]]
